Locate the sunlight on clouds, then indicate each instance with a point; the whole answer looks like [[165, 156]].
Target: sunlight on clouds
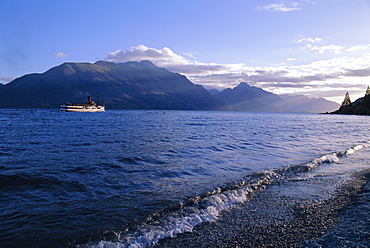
[[162, 57], [60, 55], [165, 57], [321, 49], [286, 7], [327, 78], [358, 47], [190, 54], [308, 44], [312, 40], [281, 7]]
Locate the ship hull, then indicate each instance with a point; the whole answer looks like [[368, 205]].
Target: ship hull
[[84, 109], [90, 106]]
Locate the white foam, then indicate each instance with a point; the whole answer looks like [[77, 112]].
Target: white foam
[[184, 220], [209, 208], [354, 149], [328, 158]]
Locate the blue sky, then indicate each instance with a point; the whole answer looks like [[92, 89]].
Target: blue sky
[[313, 47]]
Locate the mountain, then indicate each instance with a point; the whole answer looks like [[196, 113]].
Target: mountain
[[304, 104], [249, 98], [213, 91], [142, 85], [131, 85]]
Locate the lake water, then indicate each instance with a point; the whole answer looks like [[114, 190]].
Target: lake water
[[125, 178]]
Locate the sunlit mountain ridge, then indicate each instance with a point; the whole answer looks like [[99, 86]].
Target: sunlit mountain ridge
[[142, 85]]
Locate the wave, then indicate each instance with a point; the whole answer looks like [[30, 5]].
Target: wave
[[185, 216], [327, 158]]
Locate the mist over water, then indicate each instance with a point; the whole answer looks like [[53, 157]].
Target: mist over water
[[135, 177]]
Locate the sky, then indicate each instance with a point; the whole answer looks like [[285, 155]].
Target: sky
[[319, 48]]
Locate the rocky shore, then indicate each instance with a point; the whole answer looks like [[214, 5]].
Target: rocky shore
[[278, 220]]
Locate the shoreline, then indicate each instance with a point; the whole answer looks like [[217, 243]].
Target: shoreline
[[270, 220]]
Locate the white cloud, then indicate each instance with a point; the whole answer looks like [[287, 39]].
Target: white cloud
[[312, 40], [313, 79], [358, 47], [286, 7], [309, 1], [308, 45], [190, 54], [280, 7], [322, 49], [60, 55], [166, 58], [162, 57]]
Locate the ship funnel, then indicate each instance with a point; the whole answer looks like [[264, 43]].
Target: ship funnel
[[89, 100]]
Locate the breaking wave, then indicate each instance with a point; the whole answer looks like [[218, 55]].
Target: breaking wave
[[185, 216], [327, 158]]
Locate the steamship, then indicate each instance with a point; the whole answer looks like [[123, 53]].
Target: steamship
[[90, 106]]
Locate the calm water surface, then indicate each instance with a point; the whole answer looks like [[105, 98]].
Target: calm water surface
[[133, 177]]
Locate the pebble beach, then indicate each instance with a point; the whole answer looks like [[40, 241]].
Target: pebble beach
[[271, 220]]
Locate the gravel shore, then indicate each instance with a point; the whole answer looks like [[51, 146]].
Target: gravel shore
[[277, 220]]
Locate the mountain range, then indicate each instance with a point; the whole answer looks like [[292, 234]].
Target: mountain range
[[142, 85], [131, 85], [250, 98]]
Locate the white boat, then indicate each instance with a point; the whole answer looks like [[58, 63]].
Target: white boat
[[90, 106]]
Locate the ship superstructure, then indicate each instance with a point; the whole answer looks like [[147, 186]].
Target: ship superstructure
[[90, 106]]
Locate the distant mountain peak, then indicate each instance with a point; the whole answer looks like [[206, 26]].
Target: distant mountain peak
[[105, 63], [213, 91], [141, 85], [147, 63], [243, 85], [144, 64], [250, 98]]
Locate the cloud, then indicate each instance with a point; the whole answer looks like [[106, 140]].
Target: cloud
[[322, 49], [286, 7], [358, 47], [312, 40], [60, 55], [309, 45], [321, 70], [280, 7], [190, 54], [314, 78], [309, 1], [365, 72], [162, 57], [166, 58]]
